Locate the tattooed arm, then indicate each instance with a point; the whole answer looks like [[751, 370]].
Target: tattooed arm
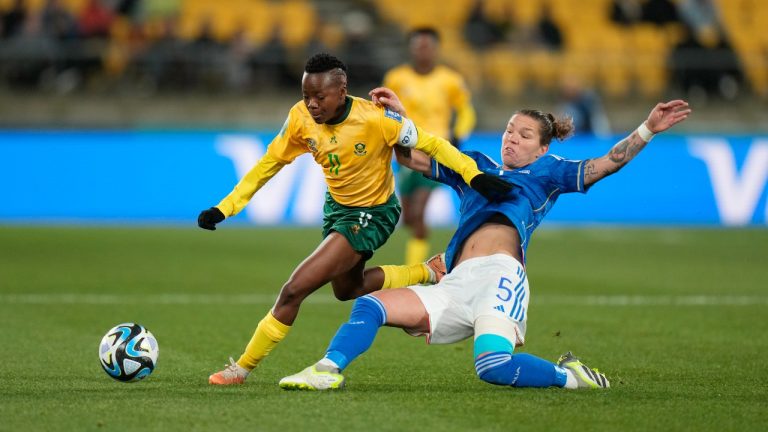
[[662, 117]]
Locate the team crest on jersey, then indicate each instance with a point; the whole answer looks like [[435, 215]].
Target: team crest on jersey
[[355, 229], [312, 144], [360, 149], [393, 115]]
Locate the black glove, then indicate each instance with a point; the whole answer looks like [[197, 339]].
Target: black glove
[[209, 218], [492, 188]]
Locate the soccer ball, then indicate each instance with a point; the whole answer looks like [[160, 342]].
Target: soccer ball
[[128, 352]]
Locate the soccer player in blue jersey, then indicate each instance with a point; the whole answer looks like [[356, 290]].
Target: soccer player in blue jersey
[[485, 293]]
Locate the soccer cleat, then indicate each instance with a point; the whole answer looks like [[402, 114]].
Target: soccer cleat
[[585, 377], [313, 379], [436, 268], [232, 374]]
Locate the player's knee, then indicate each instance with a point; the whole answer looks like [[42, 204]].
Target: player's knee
[[344, 295], [369, 306], [344, 290], [292, 293], [497, 368]]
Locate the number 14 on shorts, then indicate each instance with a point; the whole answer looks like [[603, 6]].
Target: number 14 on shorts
[[512, 292]]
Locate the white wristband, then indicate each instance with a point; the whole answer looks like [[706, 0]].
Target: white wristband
[[645, 133]]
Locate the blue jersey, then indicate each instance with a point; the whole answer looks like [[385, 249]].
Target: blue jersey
[[538, 186]]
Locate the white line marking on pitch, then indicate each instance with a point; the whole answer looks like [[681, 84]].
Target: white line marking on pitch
[[268, 299]]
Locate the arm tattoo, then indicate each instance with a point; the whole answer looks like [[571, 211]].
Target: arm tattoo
[[626, 149], [589, 170], [619, 152]]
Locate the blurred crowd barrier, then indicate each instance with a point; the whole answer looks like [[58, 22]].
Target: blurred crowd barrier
[[621, 48], [155, 177]]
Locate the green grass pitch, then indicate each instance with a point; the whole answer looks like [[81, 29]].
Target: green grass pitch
[[677, 319]]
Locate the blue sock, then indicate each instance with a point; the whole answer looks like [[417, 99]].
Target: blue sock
[[519, 370], [356, 336]]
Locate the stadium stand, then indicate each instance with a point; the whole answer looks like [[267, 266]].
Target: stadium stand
[[620, 59]]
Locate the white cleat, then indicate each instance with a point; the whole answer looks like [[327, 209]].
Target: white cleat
[[585, 376], [313, 379]]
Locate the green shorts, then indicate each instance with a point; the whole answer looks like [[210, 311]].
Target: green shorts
[[409, 181], [366, 228]]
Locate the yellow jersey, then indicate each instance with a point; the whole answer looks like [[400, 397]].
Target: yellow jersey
[[431, 99], [355, 153]]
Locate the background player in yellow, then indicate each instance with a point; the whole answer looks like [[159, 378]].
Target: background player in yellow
[[437, 99], [352, 140]]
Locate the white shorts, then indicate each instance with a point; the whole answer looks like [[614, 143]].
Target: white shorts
[[495, 285]]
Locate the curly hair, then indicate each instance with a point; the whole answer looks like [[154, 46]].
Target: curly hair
[[324, 62]]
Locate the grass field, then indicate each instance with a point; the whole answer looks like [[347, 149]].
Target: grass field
[[678, 320]]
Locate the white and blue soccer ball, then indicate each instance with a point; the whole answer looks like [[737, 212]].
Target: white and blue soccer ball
[[128, 352]]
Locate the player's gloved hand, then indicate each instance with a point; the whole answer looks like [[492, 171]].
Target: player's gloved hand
[[490, 187], [209, 218]]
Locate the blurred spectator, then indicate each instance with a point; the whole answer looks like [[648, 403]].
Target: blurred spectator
[[700, 15], [584, 106], [270, 62], [164, 60], [237, 61], [626, 12], [207, 57], [33, 52], [358, 49], [704, 62], [549, 33], [61, 27], [129, 8], [95, 20], [660, 12], [482, 32], [58, 22], [13, 20]]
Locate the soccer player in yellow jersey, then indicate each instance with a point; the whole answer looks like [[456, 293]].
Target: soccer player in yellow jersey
[[352, 140], [433, 96]]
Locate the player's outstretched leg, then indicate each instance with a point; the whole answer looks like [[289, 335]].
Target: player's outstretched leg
[[352, 339], [585, 376], [232, 374]]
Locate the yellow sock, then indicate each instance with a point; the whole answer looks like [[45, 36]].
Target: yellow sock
[[404, 275], [268, 333], [416, 251]]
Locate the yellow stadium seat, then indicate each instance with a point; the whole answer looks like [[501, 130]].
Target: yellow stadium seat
[[613, 62], [297, 20], [259, 21], [579, 64], [543, 68], [504, 71], [526, 12], [651, 76]]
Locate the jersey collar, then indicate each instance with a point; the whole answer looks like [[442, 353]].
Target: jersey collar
[[345, 114]]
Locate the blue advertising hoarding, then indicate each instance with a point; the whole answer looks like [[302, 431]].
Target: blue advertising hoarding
[[168, 177]]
